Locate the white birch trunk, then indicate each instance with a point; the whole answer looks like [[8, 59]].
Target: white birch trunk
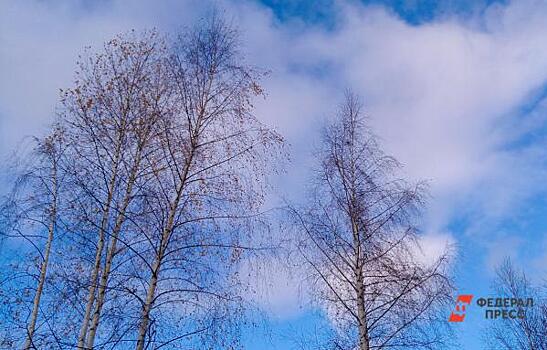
[[43, 269]]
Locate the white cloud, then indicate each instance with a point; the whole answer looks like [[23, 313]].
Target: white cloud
[[433, 246], [444, 96], [40, 43], [272, 286]]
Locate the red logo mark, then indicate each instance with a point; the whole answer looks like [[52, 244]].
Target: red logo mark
[[461, 304]]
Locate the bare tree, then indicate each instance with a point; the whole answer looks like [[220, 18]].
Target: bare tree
[[528, 333], [359, 239], [111, 114], [51, 149], [33, 210], [164, 174], [209, 185]]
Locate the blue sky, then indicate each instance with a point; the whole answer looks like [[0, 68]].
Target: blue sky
[[457, 90]]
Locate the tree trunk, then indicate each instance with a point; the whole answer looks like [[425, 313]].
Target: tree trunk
[[93, 281], [110, 255], [43, 269], [143, 327], [150, 295], [361, 313], [99, 252], [360, 297]]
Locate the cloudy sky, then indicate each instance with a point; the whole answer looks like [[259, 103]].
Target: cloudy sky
[[457, 91]]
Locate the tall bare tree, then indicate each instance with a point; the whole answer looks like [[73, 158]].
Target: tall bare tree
[[51, 149], [164, 173], [111, 115], [209, 184], [33, 211], [360, 242], [528, 333]]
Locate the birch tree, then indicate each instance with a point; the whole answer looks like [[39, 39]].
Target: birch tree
[[110, 114], [209, 183], [164, 173], [528, 333], [359, 239], [33, 208]]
